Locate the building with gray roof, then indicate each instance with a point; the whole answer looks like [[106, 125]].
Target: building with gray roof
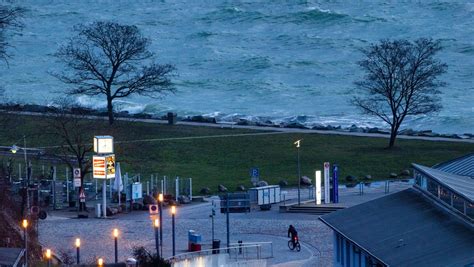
[[430, 224]]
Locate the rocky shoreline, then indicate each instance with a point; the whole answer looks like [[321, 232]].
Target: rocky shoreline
[[262, 122]]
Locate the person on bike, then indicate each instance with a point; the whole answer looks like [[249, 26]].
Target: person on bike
[[294, 234]]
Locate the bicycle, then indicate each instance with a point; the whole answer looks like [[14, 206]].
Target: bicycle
[[292, 245]]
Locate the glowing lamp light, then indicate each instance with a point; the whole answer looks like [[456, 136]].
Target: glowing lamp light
[[297, 143], [48, 254], [14, 149], [24, 223], [100, 262], [116, 233], [160, 197], [173, 210], [156, 223], [78, 242], [104, 144]]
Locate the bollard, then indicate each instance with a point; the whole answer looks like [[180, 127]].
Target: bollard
[[98, 210], [240, 246]]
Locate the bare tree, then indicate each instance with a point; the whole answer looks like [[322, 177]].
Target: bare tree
[[106, 58], [401, 80], [73, 138], [9, 19]]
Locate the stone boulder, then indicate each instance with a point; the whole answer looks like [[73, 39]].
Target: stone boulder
[[305, 180], [351, 178], [262, 183], [283, 183], [373, 130], [407, 132], [205, 191], [355, 129], [201, 118], [240, 188], [351, 185], [221, 188], [184, 200], [405, 173]]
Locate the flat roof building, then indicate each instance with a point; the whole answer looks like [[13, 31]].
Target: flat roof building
[[430, 224]]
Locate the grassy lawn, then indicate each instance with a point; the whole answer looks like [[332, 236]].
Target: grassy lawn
[[227, 160]]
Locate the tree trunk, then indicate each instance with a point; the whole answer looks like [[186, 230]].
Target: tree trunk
[[393, 135], [110, 110]]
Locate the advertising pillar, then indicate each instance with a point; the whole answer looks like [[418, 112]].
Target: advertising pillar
[[335, 170], [318, 187], [327, 185]]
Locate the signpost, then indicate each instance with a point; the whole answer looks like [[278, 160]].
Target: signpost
[[77, 177], [82, 196], [103, 165], [327, 185], [254, 176]]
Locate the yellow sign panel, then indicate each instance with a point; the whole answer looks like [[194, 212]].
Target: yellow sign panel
[[103, 167], [110, 170]]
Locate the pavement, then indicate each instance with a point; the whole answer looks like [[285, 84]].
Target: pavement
[[60, 229]]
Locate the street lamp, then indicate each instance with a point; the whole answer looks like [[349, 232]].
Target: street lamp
[[156, 225], [78, 248], [15, 149], [297, 143], [100, 262], [116, 234], [160, 209], [173, 213], [48, 256], [24, 224]]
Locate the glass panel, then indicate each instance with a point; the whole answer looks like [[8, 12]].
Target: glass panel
[[470, 210], [458, 203], [356, 258], [445, 195], [338, 248], [342, 251], [348, 254], [432, 187]]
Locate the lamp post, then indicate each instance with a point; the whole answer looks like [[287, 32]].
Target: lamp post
[[173, 212], [15, 148], [160, 211], [78, 249], [48, 256], [297, 143], [24, 224], [156, 225], [116, 234]]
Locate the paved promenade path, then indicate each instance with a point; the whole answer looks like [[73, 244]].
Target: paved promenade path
[[61, 228], [270, 129]]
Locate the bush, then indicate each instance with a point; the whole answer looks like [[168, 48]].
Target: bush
[[146, 259]]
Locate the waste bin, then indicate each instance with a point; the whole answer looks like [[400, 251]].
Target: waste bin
[[98, 210], [216, 243], [172, 118], [131, 262]]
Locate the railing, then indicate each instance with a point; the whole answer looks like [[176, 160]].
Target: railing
[[243, 251], [264, 250]]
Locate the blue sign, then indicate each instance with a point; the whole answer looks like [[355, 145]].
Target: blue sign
[[254, 172], [335, 185]]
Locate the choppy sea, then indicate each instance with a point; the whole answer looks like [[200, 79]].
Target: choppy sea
[[256, 59]]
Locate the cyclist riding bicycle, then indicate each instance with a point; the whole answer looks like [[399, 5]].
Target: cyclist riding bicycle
[[294, 234]]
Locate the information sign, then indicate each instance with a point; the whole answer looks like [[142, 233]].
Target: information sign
[[327, 198]]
